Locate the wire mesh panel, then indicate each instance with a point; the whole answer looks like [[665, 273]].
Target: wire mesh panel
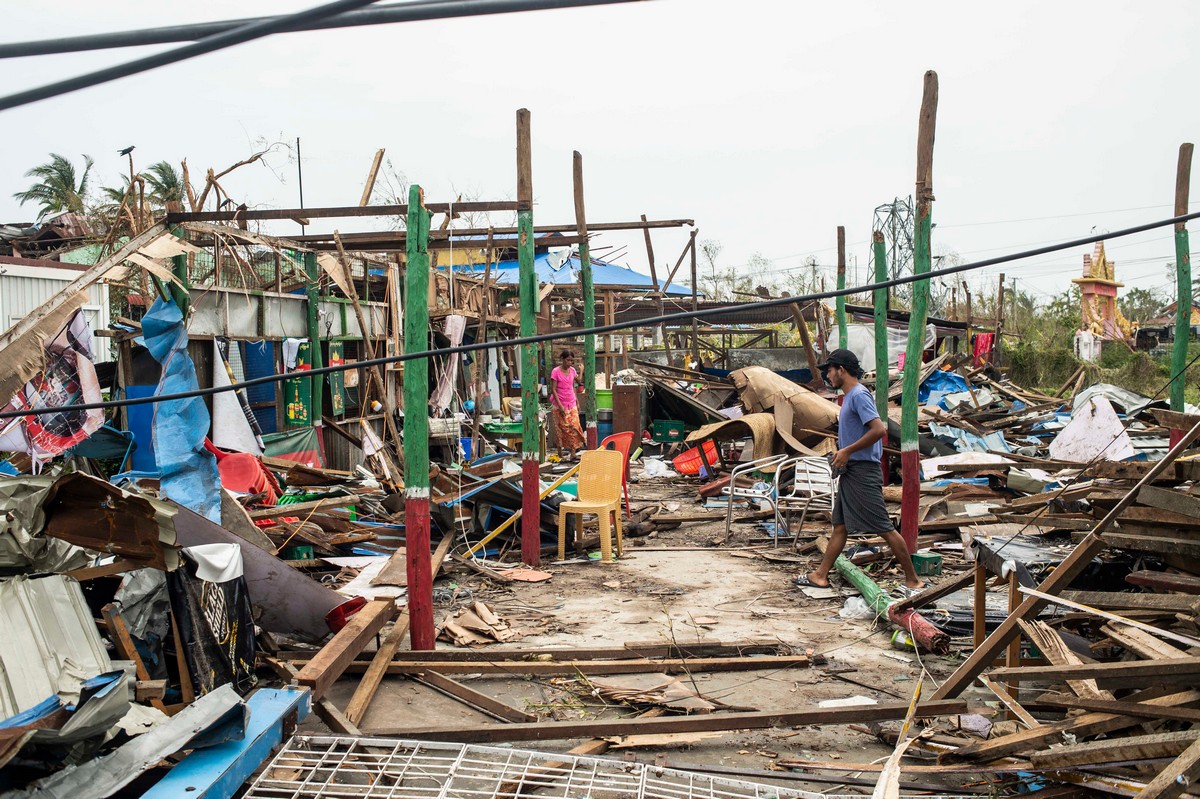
[[322, 767]]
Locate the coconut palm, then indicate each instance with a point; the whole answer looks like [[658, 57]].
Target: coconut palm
[[166, 183], [58, 188]]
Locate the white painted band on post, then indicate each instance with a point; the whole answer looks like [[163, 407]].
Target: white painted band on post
[[531, 456], [416, 492], [908, 446]]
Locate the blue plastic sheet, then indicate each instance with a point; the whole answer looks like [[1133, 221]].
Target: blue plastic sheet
[[941, 383], [188, 471]]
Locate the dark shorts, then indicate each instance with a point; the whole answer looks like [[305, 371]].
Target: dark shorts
[[859, 501]]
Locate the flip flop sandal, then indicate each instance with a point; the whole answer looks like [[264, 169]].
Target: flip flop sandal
[[803, 581]]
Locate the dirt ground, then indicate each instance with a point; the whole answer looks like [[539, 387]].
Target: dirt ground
[[672, 587]]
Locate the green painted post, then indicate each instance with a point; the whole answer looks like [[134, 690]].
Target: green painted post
[[531, 536], [881, 337], [589, 307], [1183, 283], [312, 274], [843, 338], [910, 456], [416, 424], [181, 292]]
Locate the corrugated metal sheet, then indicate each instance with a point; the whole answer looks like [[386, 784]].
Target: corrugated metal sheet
[[24, 288], [49, 639]]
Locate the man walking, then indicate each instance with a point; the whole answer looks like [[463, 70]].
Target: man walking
[[859, 506]]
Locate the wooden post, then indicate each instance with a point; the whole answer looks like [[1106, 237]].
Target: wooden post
[[589, 305], [416, 424], [806, 341], [999, 326], [484, 356], [531, 546], [1183, 283], [910, 456], [658, 290], [882, 373], [695, 301], [312, 274], [841, 284], [369, 188]]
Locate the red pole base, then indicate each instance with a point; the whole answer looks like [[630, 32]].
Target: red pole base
[[883, 461], [1176, 436], [910, 499], [420, 573], [592, 436], [531, 528]]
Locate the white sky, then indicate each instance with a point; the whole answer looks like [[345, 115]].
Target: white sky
[[769, 123]]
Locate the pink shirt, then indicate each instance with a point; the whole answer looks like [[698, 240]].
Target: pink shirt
[[564, 386]]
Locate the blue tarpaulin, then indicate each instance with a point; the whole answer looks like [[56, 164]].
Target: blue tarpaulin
[[603, 274], [187, 470], [941, 383]]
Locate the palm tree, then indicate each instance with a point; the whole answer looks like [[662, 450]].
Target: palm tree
[[166, 183], [58, 188]]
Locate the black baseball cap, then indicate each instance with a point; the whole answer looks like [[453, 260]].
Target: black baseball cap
[[845, 359]]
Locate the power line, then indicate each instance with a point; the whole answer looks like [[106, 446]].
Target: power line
[[380, 15], [241, 31], [681, 316]]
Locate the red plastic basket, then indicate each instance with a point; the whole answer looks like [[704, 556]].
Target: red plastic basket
[[688, 461]]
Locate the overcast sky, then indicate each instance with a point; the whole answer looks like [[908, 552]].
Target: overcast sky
[[769, 123]]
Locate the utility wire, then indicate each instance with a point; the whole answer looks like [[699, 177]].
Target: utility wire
[[236, 35], [682, 316], [380, 15]]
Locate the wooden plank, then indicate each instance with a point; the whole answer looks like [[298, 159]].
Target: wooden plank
[[1170, 500], [1165, 581], [1010, 702], [325, 709], [1117, 750], [1159, 631], [631, 650], [1173, 419], [370, 681], [1153, 543], [301, 508], [118, 566], [1180, 603], [593, 667], [323, 670], [549, 731], [1141, 642], [1070, 568], [123, 644], [1055, 650], [1175, 778], [1079, 726], [1142, 672], [186, 689], [332, 212], [1136, 709], [476, 699], [932, 593]]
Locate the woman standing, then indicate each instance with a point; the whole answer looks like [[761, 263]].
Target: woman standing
[[568, 431]]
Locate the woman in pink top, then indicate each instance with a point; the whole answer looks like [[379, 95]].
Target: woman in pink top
[[567, 429]]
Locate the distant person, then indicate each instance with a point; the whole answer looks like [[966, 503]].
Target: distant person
[[858, 506], [567, 429]]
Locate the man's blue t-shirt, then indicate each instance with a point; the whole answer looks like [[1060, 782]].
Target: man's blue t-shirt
[[858, 409]]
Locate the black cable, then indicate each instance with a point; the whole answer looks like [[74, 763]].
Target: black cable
[[602, 329], [380, 15], [219, 41]]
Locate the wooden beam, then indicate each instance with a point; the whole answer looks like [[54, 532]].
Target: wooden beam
[[1070, 568], [1134, 748], [1136, 709], [932, 593], [1165, 581], [118, 566], [475, 699], [332, 212], [1121, 599], [1124, 673], [123, 644], [550, 731], [1175, 778], [1187, 640], [373, 676], [1079, 726], [592, 667], [631, 650], [323, 670], [369, 187], [473, 233]]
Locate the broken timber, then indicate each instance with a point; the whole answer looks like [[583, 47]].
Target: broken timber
[[323, 670]]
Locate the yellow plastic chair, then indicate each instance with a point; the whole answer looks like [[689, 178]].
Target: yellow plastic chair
[[600, 494]]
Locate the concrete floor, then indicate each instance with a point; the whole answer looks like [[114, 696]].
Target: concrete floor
[[725, 594]]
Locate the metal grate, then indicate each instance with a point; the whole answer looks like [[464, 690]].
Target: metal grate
[[323, 767]]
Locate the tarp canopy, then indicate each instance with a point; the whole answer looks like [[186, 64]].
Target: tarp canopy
[[603, 273]]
